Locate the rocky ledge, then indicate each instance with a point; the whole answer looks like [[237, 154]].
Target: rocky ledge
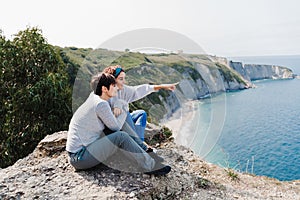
[[46, 174]]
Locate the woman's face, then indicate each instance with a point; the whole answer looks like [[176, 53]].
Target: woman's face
[[112, 90], [120, 80]]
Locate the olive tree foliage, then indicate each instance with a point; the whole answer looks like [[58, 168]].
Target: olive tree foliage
[[35, 93]]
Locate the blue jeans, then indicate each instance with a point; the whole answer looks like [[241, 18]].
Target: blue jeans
[[106, 146], [138, 122], [135, 125]]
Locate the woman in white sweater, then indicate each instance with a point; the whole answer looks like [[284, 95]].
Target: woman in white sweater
[[135, 121], [88, 145]]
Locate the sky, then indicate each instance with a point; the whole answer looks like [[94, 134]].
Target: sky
[[220, 27]]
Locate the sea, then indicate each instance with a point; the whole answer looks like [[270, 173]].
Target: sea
[[255, 130]]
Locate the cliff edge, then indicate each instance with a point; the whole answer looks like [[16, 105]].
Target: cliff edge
[[46, 174]]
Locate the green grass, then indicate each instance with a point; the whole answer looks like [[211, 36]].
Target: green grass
[[77, 55], [229, 74], [95, 60], [232, 174], [163, 136], [144, 68], [130, 60], [202, 183]]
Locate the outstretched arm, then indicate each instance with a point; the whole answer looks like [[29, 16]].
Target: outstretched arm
[[133, 93], [171, 87]]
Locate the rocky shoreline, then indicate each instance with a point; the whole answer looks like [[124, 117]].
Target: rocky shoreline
[[46, 174]]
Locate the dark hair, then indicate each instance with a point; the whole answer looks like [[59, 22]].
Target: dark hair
[[114, 70], [102, 79]]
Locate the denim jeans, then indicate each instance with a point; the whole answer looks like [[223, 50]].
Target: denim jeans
[[134, 125], [138, 122], [106, 146]]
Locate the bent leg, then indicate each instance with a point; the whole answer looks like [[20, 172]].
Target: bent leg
[[94, 154], [103, 148], [139, 117], [130, 128]]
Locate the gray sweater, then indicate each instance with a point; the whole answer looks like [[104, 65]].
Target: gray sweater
[[130, 94], [88, 122]]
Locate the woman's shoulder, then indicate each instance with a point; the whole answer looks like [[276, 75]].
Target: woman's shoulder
[[98, 101], [101, 103]]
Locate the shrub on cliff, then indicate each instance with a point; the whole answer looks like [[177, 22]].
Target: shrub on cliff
[[35, 94]]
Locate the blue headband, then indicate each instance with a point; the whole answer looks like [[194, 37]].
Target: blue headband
[[118, 71]]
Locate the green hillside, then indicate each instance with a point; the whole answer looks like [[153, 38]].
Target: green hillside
[[141, 68], [38, 80]]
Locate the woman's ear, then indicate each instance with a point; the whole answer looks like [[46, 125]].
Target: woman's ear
[[104, 89]]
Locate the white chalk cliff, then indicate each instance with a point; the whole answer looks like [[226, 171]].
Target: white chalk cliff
[[199, 76], [257, 72]]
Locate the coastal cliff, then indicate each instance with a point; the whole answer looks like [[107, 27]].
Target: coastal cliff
[[199, 76], [253, 72], [47, 79], [47, 174]]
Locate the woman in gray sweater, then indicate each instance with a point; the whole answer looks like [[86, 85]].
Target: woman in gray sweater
[[135, 122], [88, 145]]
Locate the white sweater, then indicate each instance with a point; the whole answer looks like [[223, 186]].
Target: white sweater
[[130, 94], [88, 122]]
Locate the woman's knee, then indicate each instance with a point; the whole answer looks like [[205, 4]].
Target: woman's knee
[[143, 118], [88, 161], [121, 135], [140, 112], [144, 114]]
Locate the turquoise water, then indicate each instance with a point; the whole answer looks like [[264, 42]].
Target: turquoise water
[[261, 131]]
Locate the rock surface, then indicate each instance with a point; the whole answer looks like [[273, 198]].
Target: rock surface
[[47, 174]]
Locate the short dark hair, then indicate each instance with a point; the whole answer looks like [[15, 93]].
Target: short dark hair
[[102, 79]]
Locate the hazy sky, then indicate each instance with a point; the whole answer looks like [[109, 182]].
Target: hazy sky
[[220, 27]]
